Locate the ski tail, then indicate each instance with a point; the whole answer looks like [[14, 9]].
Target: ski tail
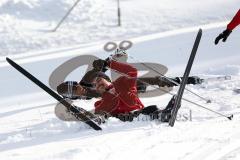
[[53, 94], [184, 80]]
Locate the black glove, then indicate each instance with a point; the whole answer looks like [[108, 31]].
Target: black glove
[[100, 64], [224, 35]]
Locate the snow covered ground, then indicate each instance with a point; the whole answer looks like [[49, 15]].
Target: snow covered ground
[[33, 132], [29, 128], [26, 24]]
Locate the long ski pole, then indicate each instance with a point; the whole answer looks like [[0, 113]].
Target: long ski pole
[[201, 106], [145, 65], [187, 100], [207, 100]]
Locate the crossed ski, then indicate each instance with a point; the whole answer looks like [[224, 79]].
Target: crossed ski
[[180, 92], [90, 122]]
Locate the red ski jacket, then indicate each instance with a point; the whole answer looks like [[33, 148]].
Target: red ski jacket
[[124, 99], [235, 21]]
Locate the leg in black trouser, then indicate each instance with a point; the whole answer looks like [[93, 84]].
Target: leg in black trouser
[[162, 81], [153, 111]]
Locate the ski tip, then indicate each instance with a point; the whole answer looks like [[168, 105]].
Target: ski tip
[[230, 117], [200, 31], [7, 59]]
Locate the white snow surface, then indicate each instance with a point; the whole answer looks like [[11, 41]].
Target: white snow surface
[[26, 25], [30, 130]]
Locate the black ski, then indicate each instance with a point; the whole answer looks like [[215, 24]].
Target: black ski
[[179, 95], [72, 108]]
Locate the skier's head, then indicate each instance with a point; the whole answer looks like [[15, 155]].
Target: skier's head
[[102, 82], [68, 89]]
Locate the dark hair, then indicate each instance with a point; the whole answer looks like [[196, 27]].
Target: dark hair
[[102, 75]]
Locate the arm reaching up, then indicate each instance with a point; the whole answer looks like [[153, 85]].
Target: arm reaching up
[[234, 23]]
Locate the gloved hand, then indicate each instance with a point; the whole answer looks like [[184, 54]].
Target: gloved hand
[[100, 64], [120, 57], [224, 35]]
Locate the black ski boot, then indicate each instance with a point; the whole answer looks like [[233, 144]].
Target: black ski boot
[[191, 80]]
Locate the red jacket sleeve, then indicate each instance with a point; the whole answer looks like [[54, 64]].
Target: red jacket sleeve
[[123, 68], [235, 21]]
